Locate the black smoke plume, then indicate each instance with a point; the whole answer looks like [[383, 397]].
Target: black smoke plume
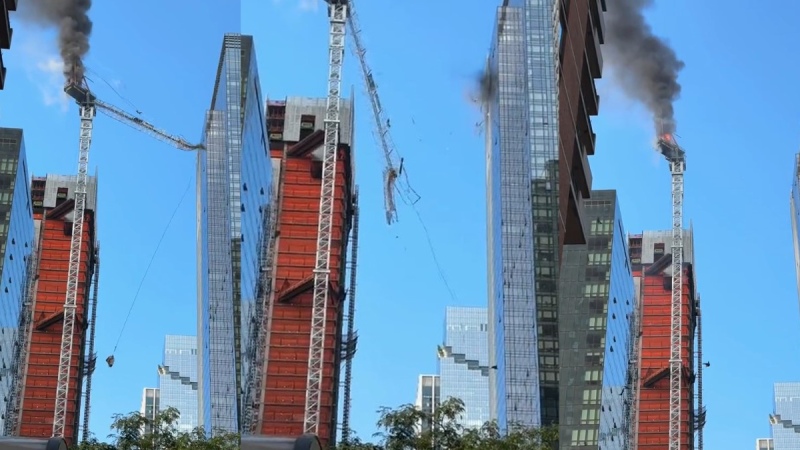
[[71, 17], [486, 86], [646, 66]]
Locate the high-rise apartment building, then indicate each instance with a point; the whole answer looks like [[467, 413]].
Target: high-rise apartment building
[[429, 396], [296, 142], [53, 200], [786, 418], [596, 318], [5, 34], [764, 444], [177, 380], [16, 246], [651, 263], [234, 191], [150, 407], [464, 363], [794, 206], [544, 59]]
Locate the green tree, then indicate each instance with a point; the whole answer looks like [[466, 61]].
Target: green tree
[[128, 433], [400, 430]]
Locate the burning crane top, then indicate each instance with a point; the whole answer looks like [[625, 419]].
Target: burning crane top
[[667, 146]]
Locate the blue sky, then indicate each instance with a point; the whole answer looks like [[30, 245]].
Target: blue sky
[[737, 120]]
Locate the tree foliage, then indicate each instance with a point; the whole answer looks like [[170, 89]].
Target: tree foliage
[[401, 430], [128, 433]]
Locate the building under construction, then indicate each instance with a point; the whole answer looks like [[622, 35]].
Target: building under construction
[[41, 326], [651, 260], [296, 143]]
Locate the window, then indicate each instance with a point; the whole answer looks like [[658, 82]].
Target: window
[[590, 417], [596, 290], [592, 377], [597, 323], [658, 248], [594, 359]]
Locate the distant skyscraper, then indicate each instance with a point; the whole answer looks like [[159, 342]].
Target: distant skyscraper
[[464, 362], [596, 313], [539, 138], [786, 417], [764, 444], [16, 245], [150, 406], [794, 206], [428, 396], [177, 379], [234, 190]]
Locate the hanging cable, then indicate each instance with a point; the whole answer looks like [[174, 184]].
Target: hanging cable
[[110, 359]]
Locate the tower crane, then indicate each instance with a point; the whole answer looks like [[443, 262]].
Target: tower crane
[[88, 106], [676, 158], [337, 12], [394, 164]]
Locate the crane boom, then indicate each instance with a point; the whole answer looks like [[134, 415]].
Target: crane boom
[[142, 125], [677, 163], [382, 125], [337, 10]]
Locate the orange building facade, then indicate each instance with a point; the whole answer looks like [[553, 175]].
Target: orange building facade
[[296, 145], [53, 203], [651, 261]]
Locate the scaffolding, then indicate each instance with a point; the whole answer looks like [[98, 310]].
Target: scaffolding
[[350, 343], [91, 360]]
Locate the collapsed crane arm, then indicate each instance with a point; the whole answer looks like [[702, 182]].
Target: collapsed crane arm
[[382, 125], [142, 125]]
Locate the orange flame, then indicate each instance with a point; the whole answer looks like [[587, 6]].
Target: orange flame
[[667, 137]]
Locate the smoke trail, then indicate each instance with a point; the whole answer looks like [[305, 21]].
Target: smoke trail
[[71, 17], [485, 87], [647, 67]]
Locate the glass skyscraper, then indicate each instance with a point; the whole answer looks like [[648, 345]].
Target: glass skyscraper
[[786, 418], [522, 204], [596, 316], [16, 244], [177, 379], [794, 206], [234, 191], [464, 363]]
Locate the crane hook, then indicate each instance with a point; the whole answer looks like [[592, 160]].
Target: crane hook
[[110, 361]]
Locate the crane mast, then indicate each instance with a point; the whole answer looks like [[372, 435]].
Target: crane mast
[[88, 105], [87, 112], [337, 10], [677, 163]]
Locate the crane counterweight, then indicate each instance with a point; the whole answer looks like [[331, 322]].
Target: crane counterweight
[[81, 93]]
